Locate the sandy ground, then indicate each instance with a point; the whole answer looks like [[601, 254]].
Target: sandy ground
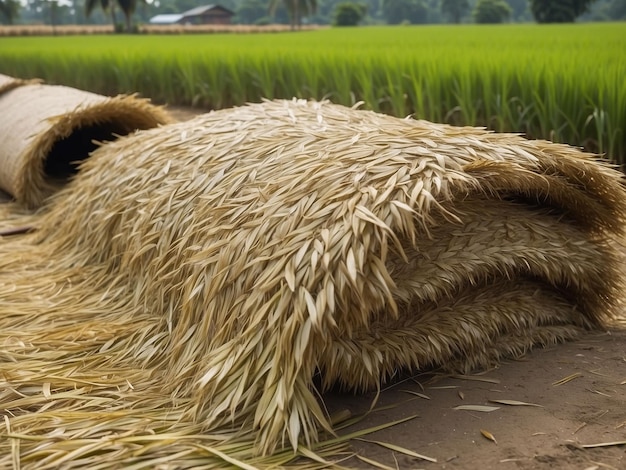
[[590, 408], [579, 393]]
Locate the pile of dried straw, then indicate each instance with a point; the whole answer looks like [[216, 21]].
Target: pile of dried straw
[[181, 293]]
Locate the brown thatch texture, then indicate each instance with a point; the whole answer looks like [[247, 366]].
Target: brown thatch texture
[[44, 129], [184, 289]]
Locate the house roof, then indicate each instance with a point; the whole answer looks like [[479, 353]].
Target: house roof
[[165, 19], [203, 9]]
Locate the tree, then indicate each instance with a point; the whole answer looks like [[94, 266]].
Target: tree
[[520, 9], [91, 5], [296, 10], [250, 11], [558, 11], [617, 10], [9, 10], [398, 11], [492, 11], [455, 9], [128, 7], [433, 11], [349, 14]]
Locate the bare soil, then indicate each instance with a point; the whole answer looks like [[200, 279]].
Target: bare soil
[[579, 389], [590, 408]]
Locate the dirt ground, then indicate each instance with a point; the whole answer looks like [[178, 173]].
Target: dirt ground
[[590, 408], [579, 393]]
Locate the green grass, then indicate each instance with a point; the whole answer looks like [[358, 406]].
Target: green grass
[[559, 82]]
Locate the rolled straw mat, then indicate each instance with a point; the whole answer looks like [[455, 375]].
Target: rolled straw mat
[[188, 284], [8, 83], [45, 128]]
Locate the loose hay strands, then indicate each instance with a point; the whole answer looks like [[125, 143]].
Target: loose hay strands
[[603, 444], [567, 379], [208, 270], [514, 403], [480, 408], [401, 450]]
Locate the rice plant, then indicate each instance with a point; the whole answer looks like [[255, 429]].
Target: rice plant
[[561, 82]]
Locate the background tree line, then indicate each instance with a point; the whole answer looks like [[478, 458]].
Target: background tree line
[[341, 12]]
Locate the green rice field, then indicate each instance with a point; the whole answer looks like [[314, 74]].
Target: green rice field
[[560, 82]]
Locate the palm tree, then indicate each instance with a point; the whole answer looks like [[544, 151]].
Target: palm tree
[[9, 9], [90, 6], [296, 10], [127, 6]]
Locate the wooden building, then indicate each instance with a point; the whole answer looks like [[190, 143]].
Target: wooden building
[[207, 14]]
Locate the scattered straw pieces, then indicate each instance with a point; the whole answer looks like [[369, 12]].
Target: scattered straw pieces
[[603, 444], [514, 403], [417, 394], [401, 450], [595, 372], [364, 432], [488, 435], [340, 416], [569, 378], [476, 378], [227, 458], [480, 408], [374, 463]]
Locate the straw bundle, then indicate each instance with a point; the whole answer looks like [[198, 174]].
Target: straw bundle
[[44, 129], [184, 289]]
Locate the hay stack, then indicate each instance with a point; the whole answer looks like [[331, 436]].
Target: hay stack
[[184, 289], [44, 129]]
